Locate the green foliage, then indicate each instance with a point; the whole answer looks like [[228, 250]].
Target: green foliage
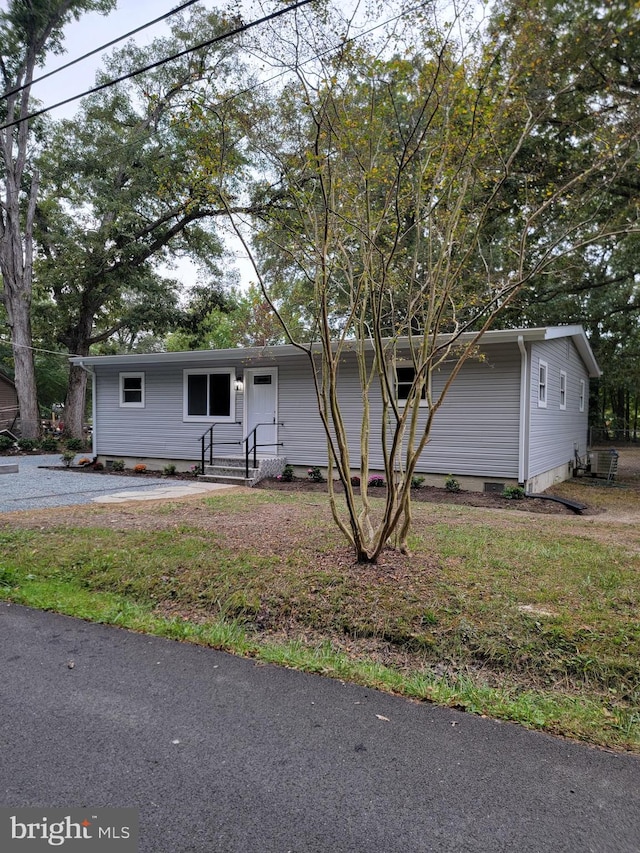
[[169, 470], [75, 444], [28, 444], [67, 457], [287, 474], [417, 482], [451, 484], [315, 475], [513, 493], [117, 465], [6, 443], [49, 444]]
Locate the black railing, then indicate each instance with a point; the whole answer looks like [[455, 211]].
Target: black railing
[[204, 447], [251, 445]]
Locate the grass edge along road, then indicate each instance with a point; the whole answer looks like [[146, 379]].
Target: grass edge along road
[[532, 619]]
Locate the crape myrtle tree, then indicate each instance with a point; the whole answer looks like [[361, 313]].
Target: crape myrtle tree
[[411, 212], [125, 188], [29, 31]]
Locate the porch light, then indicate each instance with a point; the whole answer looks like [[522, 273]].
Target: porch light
[[238, 384]]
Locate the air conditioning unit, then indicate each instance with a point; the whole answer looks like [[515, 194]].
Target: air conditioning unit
[[603, 463]]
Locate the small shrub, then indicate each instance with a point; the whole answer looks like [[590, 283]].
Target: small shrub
[[6, 443], [98, 466], [376, 481], [315, 475], [513, 493], [194, 470], [169, 470], [67, 457], [140, 468], [451, 484], [416, 482], [27, 444], [75, 444], [287, 474], [117, 465], [49, 444], [355, 481]]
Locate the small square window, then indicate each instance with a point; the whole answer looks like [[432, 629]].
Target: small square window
[[563, 390], [405, 376], [132, 390]]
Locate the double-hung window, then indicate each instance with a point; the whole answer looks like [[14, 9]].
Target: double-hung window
[[543, 371], [563, 389], [582, 393], [132, 390], [405, 377], [208, 394]]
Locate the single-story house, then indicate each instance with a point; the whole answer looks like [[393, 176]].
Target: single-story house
[[516, 413], [8, 402]]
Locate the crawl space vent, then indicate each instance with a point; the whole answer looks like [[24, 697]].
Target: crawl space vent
[[494, 487]]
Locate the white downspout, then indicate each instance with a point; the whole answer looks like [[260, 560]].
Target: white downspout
[[94, 407], [523, 443]]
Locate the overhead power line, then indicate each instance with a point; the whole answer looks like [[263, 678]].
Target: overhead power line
[[168, 14], [222, 37]]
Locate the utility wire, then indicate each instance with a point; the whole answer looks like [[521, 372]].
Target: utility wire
[[15, 91], [229, 34]]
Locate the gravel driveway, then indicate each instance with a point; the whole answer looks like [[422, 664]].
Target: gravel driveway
[[35, 486]]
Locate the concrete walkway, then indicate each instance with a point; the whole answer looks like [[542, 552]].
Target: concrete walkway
[[36, 485]]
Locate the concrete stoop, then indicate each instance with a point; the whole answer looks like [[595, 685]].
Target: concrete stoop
[[231, 470]]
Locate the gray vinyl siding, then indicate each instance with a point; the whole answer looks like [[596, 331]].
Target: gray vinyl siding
[[158, 429], [475, 432], [555, 432]]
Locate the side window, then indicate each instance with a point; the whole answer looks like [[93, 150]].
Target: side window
[[132, 390], [542, 384], [563, 389], [405, 375], [208, 395], [582, 392]]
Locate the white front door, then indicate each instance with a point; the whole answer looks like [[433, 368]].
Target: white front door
[[261, 408]]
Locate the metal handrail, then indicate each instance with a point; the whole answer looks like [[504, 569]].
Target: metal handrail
[[209, 447], [247, 450]]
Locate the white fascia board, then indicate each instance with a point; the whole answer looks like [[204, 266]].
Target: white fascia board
[[253, 355]]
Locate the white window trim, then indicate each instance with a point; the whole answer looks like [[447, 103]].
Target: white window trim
[[230, 418], [563, 389], [542, 400], [424, 402], [121, 378], [583, 392]]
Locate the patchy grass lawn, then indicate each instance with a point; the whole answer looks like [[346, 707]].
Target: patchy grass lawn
[[521, 616]]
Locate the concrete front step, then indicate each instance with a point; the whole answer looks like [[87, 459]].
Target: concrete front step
[[231, 469], [229, 479]]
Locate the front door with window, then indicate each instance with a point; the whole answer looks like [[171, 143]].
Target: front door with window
[[261, 408]]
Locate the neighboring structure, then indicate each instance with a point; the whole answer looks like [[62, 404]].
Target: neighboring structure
[[8, 402], [515, 414]]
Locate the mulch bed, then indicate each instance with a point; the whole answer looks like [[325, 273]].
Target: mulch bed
[[432, 494], [425, 494]]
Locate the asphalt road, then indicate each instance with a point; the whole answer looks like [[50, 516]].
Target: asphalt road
[[222, 755]]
